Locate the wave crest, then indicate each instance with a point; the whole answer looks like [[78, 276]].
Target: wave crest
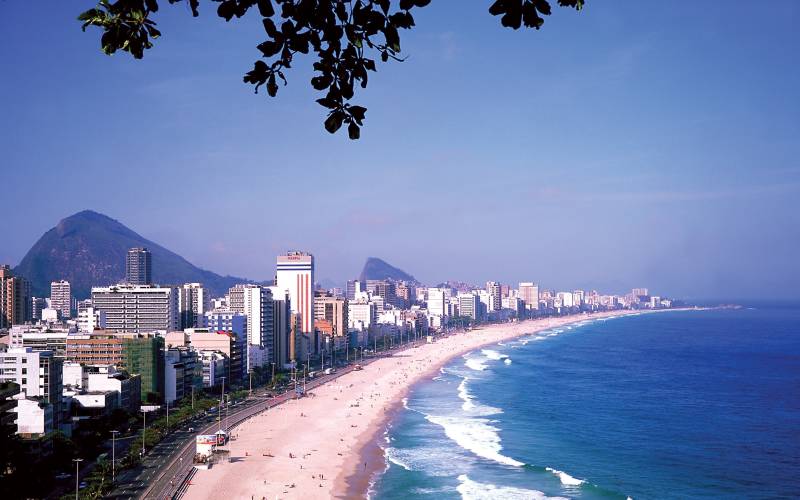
[[473, 490], [476, 435]]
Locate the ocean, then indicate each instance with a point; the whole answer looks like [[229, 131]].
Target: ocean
[[678, 404]]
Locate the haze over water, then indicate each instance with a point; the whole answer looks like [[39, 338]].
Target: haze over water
[[673, 405]]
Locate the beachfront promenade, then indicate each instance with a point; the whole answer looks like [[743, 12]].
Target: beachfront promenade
[[327, 445]]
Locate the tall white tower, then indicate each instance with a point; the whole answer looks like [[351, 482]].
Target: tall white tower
[[295, 273]]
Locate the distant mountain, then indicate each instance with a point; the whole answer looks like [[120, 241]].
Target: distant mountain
[[377, 269], [88, 249]]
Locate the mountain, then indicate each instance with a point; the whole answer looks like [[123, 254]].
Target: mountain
[[88, 249], [377, 269]]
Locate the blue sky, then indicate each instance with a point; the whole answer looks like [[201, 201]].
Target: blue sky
[[630, 144]]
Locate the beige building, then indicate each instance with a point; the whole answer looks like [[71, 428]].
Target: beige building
[[334, 310], [15, 294], [529, 293]]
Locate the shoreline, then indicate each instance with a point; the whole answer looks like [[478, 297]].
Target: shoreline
[[327, 444], [358, 482]]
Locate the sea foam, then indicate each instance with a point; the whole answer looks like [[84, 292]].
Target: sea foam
[[429, 459], [392, 456], [492, 354], [469, 404], [473, 490], [565, 478], [476, 364], [476, 435]]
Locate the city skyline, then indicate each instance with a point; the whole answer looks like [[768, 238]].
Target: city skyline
[[625, 152]]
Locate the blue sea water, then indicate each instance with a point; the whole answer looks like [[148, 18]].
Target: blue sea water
[[694, 404]]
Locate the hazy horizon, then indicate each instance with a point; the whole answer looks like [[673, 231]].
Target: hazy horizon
[[627, 145]]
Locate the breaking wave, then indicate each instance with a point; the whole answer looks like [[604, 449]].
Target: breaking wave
[[473, 490], [477, 435]]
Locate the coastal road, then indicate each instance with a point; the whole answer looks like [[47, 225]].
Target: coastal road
[[166, 468]]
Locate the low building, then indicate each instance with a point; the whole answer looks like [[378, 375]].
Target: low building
[[35, 417], [8, 416], [141, 354], [183, 372], [94, 403], [215, 368], [229, 344], [38, 373], [40, 338], [109, 379], [90, 319]]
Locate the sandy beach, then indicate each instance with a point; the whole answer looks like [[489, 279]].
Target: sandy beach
[[327, 445]]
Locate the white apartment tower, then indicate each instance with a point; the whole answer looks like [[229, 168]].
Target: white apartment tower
[[254, 301], [194, 301], [494, 290], [437, 302], [61, 298], [295, 273]]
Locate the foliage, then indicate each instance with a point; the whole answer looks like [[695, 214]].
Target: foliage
[[345, 36]]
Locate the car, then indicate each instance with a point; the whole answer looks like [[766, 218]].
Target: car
[[191, 429], [63, 475], [82, 485]]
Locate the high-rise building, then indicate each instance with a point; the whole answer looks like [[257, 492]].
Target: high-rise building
[[295, 273], [406, 294], [529, 293], [565, 299], [384, 289], [361, 315], [138, 267], [15, 299], [193, 301], [255, 301], [469, 305], [437, 302], [281, 327], [137, 309], [578, 297], [61, 298], [37, 305], [351, 288], [334, 310], [495, 293]]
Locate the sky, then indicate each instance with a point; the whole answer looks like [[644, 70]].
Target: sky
[[632, 144]]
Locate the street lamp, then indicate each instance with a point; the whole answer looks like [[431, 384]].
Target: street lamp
[[144, 429], [77, 470], [114, 456]]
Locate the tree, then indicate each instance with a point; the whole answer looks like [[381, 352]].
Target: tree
[[344, 35]]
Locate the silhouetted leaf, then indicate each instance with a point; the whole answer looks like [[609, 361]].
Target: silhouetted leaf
[[353, 131], [344, 36], [334, 121]]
